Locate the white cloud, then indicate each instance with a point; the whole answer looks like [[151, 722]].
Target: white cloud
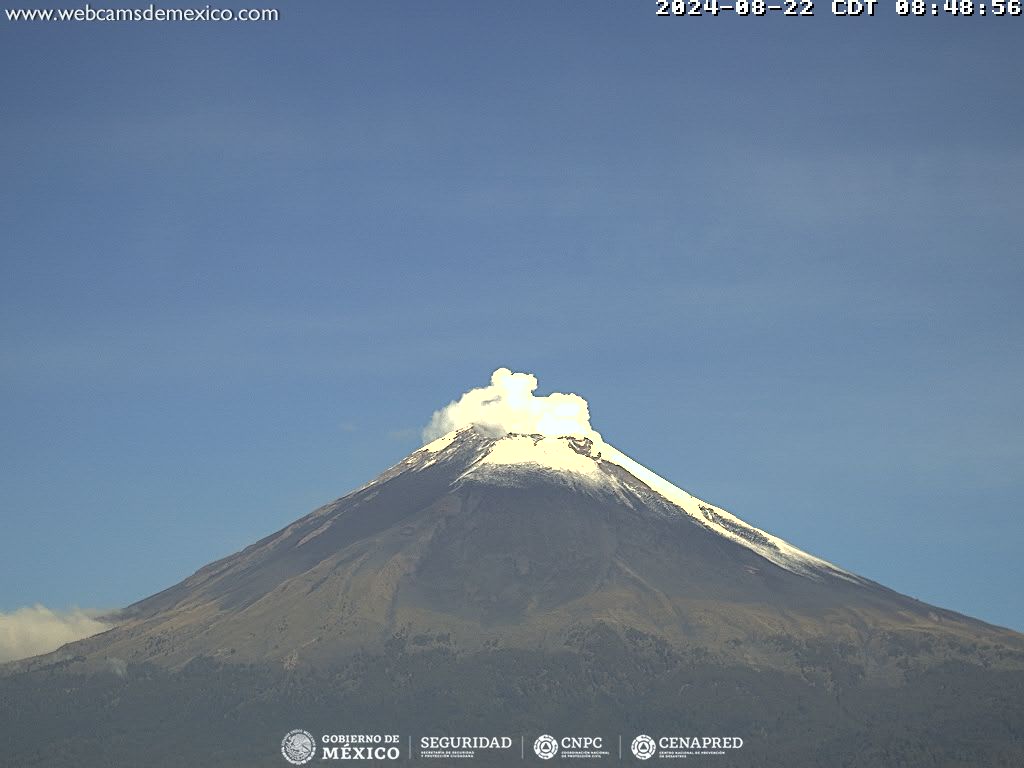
[[509, 405], [31, 631]]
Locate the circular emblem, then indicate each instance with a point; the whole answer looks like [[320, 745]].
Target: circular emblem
[[546, 747], [298, 747], [643, 747]]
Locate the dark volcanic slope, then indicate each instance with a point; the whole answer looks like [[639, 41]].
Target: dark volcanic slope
[[455, 551], [470, 591]]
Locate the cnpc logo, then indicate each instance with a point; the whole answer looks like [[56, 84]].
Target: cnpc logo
[[547, 746]]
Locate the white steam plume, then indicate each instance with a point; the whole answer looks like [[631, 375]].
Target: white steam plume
[[32, 631], [509, 405]]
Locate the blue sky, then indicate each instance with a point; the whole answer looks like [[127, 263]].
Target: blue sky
[[242, 265]]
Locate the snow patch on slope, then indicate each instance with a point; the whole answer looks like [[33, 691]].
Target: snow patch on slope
[[773, 548], [551, 453], [585, 460]]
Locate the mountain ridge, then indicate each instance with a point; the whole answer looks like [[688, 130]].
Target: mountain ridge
[[523, 584], [517, 541]]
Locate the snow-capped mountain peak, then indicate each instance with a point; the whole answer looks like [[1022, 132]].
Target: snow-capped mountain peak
[[590, 464]]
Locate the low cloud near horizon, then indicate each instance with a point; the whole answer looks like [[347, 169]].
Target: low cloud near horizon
[[33, 630]]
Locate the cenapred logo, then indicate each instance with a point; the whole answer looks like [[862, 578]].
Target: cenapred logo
[[643, 747], [298, 746], [546, 747]]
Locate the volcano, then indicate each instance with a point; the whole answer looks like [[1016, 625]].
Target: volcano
[[517, 541], [509, 582]]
